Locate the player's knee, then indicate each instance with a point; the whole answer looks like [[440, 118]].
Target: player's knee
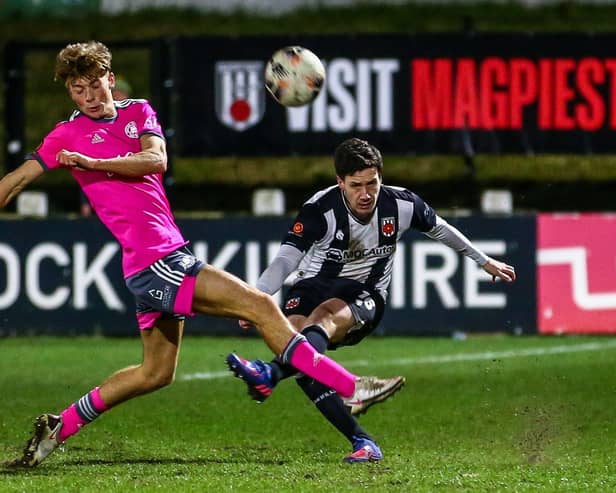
[[263, 305], [159, 378], [325, 312]]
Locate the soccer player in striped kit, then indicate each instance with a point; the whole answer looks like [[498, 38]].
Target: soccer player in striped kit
[[115, 150], [342, 244]]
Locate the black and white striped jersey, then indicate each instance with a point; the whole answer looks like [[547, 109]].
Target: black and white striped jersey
[[336, 244]]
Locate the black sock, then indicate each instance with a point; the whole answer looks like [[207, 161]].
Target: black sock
[[318, 339], [331, 406]]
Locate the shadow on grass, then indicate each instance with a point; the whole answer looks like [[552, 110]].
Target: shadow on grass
[[176, 461], [8, 470]]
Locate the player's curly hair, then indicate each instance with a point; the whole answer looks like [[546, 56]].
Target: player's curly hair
[[354, 155], [89, 60]]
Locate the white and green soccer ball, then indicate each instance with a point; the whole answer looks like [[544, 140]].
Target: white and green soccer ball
[[294, 76]]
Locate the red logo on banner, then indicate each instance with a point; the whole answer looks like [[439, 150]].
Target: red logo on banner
[[576, 273]]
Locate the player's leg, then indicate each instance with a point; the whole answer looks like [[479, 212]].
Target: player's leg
[[332, 314], [161, 349], [332, 407], [219, 293], [331, 318], [327, 323], [301, 302], [161, 346]]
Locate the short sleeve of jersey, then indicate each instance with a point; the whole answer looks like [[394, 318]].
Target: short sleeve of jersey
[[424, 217], [309, 226], [148, 124], [47, 150]]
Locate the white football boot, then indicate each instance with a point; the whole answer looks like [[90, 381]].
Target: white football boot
[[370, 391], [43, 442]]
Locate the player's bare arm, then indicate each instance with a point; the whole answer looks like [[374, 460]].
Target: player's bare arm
[[152, 159], [15, 181]]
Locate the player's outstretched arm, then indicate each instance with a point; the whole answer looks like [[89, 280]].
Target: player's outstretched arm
[[15, 181], [453, 238]]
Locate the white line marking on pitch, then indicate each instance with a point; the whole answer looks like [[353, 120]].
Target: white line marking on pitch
[[443, 358]]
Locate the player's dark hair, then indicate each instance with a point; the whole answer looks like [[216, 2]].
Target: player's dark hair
[[90, 60], [354, 155]]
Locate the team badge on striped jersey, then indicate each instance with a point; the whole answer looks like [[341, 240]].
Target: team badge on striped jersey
[[388, 226]]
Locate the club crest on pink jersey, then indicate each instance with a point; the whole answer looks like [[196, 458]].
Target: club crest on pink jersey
[[131, 130], [239, 93]]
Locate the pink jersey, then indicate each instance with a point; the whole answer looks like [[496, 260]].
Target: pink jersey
[[135, 210]]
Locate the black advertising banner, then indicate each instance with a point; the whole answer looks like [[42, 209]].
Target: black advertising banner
[[64, 277], [433, 93]]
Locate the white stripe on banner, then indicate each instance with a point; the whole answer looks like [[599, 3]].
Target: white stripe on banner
[[444, 358]]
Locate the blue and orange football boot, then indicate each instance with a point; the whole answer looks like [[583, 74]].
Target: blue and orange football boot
[[256, 374]]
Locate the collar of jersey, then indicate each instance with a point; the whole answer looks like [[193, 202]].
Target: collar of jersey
[[103, 119]]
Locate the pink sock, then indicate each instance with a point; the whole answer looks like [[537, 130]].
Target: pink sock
[[314, 364], [82, 412]]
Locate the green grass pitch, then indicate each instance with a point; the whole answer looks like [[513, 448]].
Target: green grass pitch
[[489, 413]]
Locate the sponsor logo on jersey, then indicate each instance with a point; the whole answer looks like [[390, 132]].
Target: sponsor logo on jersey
[[97, 139], [339, 235], [150, 122], [388, 226], [334, 254], [239, 93], [344, 256], [298, 228], [131, 130], [292, 303]]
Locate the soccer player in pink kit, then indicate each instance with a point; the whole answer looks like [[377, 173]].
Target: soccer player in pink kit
[[115, 150]]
